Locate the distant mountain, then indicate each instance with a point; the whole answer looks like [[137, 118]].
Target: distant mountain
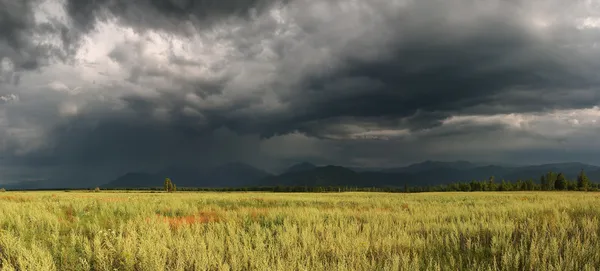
[[232, 174], [433, 165], [426, 173], [319, 176], [594, 175], [46, 184], [227, 175], [305, 166], [136, 179], [569, 169], [341, 176], [368, 169], [306, 174]]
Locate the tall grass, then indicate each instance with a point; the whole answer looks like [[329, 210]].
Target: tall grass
[[269, 231]]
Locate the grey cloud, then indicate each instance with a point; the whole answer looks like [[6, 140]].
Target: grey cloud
[[399, 64], [325, 69], [29, 44], [446, 63], [177, 16]]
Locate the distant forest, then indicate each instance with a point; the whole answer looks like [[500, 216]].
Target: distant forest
[[549, 182]]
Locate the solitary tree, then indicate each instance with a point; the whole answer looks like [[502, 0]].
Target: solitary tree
[[2, 190], [583, 182], [561, 182], [168, 185]]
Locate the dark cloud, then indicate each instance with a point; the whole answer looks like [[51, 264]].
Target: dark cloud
[[346, 81], [439, 75], [428, 68], [177, 16], [16, 22], [28, 43]]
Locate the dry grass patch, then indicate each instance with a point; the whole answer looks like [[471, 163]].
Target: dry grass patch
[[176, 222], [16, 198], [299, 231]]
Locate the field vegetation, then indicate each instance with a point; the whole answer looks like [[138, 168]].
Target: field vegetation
[[105, 230]]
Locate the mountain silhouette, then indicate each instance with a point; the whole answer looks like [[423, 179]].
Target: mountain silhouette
[[306, 174], [227, 175], [318, 176], [304, 166]]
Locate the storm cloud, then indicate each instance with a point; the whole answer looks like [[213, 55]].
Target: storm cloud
[[109, 86]]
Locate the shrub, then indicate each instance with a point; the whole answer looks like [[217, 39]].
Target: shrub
[[97, 189], [2, 190]]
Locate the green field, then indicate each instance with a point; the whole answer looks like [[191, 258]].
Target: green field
[[277, 231]]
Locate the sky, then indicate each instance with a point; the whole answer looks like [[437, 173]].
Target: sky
[[91, 89]]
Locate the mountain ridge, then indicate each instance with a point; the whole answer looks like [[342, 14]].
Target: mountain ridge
[[423, 173], [304, 166], [236, 174]]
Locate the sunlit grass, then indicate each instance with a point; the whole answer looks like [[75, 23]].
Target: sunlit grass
[[276, 231]]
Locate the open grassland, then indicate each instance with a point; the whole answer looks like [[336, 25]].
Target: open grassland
[[276, 231]]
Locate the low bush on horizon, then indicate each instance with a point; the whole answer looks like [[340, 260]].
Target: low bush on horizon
[[276, 231]]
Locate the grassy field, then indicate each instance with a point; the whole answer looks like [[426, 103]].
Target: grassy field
[[276, 231]]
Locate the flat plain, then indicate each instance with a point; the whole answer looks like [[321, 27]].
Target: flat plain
[[299, 231]]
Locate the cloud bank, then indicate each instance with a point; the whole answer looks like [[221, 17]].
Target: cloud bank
[[98, 88]]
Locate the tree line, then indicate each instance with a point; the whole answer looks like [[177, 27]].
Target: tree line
[[550, 181]]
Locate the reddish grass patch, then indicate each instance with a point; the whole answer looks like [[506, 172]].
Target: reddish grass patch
[[69, 213], [206, 217]]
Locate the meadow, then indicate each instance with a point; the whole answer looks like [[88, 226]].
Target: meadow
[[299, 231]]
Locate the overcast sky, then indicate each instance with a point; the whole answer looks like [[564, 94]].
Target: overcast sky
[[94, 89]]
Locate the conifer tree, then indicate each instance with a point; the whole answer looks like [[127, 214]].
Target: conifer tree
[[583, 182], [561, 182]]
